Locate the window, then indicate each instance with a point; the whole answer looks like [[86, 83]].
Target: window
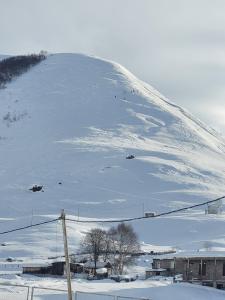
[[224, 269], [203, 268]]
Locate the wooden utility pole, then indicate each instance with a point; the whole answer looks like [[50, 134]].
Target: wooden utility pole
[[68, 275]]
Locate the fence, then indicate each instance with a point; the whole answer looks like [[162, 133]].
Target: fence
[[93, 296], [21, 292], [130, 298], [14, 292], [38, 293]]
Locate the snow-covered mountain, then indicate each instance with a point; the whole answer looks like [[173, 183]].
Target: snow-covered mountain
[[70, 122]]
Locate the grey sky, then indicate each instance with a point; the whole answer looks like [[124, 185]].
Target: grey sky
[[178, 46]]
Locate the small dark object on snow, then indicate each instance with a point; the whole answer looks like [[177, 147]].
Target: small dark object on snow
[[36, 188], [130, 156], [60, 183], [10, 259]]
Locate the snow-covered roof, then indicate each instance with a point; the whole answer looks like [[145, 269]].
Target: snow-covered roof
[[78, 263], [156, 270], [58, 261], [192, 254], [36, 265], [159, 249], [99, 264], [101, 271]]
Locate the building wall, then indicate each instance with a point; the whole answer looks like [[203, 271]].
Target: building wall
[[76, 268], [219, 270], [167, 264], [193, 269], [211, 270], [36, 270], [181, 267], [57, 268], [163, 264], [149, 274], [190, 269]]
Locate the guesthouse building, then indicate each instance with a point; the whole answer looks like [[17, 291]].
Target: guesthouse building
[[206, 268]]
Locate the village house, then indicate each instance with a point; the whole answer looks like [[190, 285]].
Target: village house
[[54, 268], [200, 267], [102, 270], [35, 268]]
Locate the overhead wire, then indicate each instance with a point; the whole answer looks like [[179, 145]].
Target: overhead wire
[[29, 226], [113, 220], [146, 217]]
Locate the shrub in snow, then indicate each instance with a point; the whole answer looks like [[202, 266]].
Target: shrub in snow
[[130, 156], [36, 188], [10, 118]]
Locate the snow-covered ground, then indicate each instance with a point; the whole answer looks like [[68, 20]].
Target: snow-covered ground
[[68, 124], [148, 289], [73, 120]]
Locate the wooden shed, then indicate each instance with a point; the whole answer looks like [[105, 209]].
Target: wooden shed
[[155, 272], [54, 268], [37, 269]]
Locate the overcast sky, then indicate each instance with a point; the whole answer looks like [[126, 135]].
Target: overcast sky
[[178, 46]]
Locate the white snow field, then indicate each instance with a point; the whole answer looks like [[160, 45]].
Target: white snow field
[[73, 119], [68, 124], [148, 289]]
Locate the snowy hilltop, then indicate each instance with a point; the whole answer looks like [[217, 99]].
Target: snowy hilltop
[[102, 143]]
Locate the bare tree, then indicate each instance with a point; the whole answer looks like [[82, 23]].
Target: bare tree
[[124, 243], [107, 246], [117, 244], [94, 244]]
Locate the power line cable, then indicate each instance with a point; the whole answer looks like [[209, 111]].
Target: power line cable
[[147, 217], [113, 220], [28, 226], [189, 207]]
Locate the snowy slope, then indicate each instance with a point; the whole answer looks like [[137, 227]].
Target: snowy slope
[[73, 119]]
